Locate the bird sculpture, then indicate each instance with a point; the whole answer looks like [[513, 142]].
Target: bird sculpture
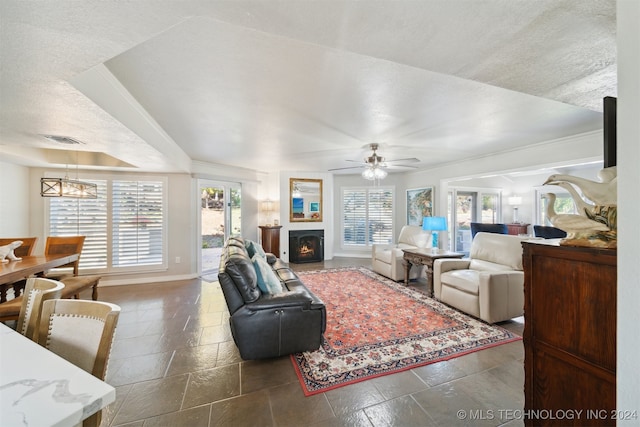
[[603, 193], [581, 206], [571, 223]]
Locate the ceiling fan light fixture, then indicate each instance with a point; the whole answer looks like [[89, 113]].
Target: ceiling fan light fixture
[[374, 173]]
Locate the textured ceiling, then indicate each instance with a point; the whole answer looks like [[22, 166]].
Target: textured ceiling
[[292, 85]]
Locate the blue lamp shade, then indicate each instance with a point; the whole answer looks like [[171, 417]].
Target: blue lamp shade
[[434, 223]]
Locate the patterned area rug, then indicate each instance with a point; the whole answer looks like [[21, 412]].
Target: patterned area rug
[[377, 327]]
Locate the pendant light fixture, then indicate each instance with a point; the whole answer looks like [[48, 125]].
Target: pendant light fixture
[[65, 187]]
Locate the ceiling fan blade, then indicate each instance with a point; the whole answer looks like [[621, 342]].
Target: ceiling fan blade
[[400, 166], [350, 167], [410, 159]]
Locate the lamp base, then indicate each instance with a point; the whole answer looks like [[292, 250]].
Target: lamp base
[[434, 240]]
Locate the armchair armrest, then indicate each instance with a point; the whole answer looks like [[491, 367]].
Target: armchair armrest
[[442, 266], [379, 247]]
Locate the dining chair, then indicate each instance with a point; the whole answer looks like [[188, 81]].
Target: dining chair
[[36, 292], [26, 249], [26, 307], [74, 284], [64, 245], [477, 227], [81, 332]]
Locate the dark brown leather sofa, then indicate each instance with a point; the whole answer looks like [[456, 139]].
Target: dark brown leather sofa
[[268, 325]]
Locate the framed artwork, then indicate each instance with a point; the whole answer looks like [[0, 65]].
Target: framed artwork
[[314, 207], [297, 205], [419, 204]]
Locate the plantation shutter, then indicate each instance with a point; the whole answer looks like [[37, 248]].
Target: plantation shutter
[[137, 223], [380, 215], [367, 216], [83, 217], [354, 202]]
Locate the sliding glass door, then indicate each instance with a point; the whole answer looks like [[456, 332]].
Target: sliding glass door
[[220, 217]]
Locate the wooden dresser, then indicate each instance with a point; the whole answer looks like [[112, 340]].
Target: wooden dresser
[[569, 335]]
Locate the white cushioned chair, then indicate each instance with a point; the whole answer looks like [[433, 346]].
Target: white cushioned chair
[[489, 284], [387, 259]]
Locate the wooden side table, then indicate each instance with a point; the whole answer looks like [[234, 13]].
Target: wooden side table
[[518, 228], [270, 238], [425, 257]]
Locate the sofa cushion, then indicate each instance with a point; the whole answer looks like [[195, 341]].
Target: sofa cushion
[[241, 270], [464, 280], [267, 280]]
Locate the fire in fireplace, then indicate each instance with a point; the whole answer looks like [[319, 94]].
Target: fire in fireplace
[[306, 246]]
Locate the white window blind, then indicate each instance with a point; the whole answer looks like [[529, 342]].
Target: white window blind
[[83, 217], [124, 226], [367, 216], [137, 223]]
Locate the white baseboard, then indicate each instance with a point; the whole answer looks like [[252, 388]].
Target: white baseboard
[[106, 281]]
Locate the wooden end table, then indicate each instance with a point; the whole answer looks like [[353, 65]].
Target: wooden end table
[[425, 257]]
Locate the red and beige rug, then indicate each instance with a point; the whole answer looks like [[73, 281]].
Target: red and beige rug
[[377, 327]]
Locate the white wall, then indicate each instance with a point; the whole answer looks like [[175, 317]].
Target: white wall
[[15, 189], [628, 340]]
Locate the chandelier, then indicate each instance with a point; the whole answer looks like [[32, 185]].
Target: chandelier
[[65, 187]]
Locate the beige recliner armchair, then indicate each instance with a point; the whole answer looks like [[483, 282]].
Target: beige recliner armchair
[[387, 259], [489, 284]]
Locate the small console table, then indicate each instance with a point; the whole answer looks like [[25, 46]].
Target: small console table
[[425, 257], [518, 228], [271, 238]]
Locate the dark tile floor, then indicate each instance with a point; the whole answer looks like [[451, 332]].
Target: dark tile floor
[[174, 363]]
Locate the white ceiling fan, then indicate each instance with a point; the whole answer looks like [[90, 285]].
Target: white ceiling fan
[[375, 165]]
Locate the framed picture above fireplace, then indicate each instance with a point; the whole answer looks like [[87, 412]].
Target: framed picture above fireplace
[[305, 200]]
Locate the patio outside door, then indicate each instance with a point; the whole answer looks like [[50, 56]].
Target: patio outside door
[[220, 217]]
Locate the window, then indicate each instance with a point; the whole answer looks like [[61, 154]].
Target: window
[[467, 206], [367, 216], [124, 226], [83, 217], [564, 204], [137, 223]]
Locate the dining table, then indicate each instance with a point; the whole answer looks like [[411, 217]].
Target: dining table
[[40, 388], [13, 271]]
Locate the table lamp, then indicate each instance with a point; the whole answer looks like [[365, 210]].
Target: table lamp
[[434, 224], [515, 201]]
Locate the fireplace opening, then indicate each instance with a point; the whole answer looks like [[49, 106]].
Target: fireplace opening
[[306, 246]]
